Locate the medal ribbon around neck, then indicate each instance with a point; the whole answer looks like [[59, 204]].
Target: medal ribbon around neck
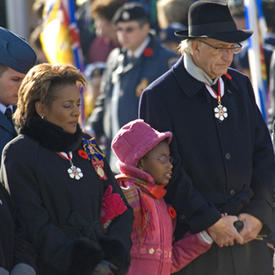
[[95, 156], [74, 172], [220, 111]]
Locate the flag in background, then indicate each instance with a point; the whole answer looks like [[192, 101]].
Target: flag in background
[[60, 37], [255, 21]]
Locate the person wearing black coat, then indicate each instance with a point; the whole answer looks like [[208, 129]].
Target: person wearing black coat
[[16, 255], [73, 210], [223, 157]]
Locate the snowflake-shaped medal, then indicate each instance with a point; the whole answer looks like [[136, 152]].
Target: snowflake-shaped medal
[[75, 172], [220, 112]]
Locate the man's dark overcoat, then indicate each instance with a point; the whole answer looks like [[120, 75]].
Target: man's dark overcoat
[[220, 167]]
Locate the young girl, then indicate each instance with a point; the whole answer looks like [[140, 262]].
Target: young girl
[[146, 168]]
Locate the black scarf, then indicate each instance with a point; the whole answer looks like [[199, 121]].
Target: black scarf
[[52, 136]]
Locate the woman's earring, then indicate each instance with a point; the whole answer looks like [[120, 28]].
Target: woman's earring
[[42, 116]]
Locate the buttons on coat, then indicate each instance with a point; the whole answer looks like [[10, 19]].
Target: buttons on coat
[[151, 250], [228, 156]]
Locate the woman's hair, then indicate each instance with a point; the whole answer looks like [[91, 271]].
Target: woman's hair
[[40, 84]]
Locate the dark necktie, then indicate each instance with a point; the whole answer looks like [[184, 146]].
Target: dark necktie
[[8, 114]]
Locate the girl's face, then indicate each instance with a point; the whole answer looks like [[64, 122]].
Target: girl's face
[[158, 164]]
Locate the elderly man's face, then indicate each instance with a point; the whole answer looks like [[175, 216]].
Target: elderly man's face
[[211, 60]]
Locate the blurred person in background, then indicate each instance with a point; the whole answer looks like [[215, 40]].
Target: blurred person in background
[[102, 12], [172, 11], [169, 39], [128, 72], [93, 73], [85, 26]]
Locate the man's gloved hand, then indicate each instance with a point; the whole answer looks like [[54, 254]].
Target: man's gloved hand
[[104, 268]]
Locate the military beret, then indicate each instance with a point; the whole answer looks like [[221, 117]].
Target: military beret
[[94, 69], [15, 52], [130, 12]]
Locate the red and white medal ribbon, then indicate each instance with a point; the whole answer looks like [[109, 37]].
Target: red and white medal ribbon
[[220, 111], [74, 172]]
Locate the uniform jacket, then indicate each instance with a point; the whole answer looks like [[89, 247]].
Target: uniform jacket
[[219, 166], [155, 254], [7, 132], [132, 78], [62, 214]]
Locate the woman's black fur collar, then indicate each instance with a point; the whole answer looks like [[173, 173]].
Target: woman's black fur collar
[[52, 136]]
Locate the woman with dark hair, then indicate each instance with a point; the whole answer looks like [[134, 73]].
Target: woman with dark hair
[[73, 210]]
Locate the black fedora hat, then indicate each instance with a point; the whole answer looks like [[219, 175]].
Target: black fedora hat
[[213, 20]]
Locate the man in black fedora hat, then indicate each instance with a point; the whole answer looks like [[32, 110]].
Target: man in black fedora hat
[[223, 156]]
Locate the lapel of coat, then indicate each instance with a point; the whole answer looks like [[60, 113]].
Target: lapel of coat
[[188, 84]]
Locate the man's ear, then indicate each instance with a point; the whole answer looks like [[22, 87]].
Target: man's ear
[[39, 108]]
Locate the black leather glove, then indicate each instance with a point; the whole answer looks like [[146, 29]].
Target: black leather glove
[[104, 268]]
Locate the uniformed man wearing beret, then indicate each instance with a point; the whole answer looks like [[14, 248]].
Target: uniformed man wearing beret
[[224, 168], [16, 58], [128, 72]]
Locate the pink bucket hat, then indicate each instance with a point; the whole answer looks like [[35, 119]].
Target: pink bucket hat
[[135, 139]]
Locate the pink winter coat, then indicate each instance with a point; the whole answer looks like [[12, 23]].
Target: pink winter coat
[[156, 255]]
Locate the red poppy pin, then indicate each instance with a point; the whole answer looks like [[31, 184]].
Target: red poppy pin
[[83, 154], [172, 212], [148, 52]]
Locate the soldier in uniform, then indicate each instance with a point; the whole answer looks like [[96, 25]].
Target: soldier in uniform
[[129, 70], [16, 58]]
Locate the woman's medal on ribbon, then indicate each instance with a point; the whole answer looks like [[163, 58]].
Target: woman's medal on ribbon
[[95, 156]]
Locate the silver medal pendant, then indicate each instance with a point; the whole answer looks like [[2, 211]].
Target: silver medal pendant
[[75, 172], [220, 112]]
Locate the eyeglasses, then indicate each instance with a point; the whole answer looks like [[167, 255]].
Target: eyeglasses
[[127, 29], [235, 49], [163, 159]]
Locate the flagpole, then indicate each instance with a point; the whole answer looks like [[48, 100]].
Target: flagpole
[[256, 55]]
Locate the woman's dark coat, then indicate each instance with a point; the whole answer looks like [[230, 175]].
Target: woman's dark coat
[[61, 215], [13, 248], [220, 167]]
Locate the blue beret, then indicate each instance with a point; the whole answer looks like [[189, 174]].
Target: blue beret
[[15, 52]]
